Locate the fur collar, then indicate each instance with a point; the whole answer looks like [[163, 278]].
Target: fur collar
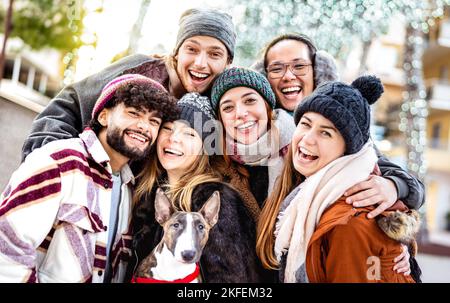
[[400, 223]]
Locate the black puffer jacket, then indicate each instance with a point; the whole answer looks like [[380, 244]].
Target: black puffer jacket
[[229, 256]]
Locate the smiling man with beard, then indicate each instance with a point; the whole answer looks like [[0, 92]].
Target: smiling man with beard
[[65, 214]]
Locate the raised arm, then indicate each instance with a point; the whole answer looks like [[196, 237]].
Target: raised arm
[[393, 184], [410, 189]]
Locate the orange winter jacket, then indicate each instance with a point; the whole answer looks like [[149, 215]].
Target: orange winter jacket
[[347, 247]]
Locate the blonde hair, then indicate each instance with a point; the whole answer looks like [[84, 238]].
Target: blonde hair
[[147, 178], [179, 193], [200, 172], [265, 238]]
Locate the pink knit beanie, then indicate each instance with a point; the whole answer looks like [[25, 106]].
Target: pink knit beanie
[[110, 89]]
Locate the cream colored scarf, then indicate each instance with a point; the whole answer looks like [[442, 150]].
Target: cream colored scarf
[[296, 224]]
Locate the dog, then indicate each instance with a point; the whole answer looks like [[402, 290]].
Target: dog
[[175, 259]]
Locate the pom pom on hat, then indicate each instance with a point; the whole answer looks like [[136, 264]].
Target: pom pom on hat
[[346, 107], [370, 88]]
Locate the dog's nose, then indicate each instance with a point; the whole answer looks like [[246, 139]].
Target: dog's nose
[[188, 255]]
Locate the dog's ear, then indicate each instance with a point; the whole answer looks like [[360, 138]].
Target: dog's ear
[[163, 207], [210, 209]]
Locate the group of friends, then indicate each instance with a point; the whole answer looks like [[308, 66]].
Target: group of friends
[[305, 194]]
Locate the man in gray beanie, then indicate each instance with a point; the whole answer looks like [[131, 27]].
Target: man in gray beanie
[[204, 48], [207, 22]]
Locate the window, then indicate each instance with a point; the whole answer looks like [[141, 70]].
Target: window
[[436, 135], [443, 73]]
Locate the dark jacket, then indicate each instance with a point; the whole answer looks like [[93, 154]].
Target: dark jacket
[[410, 190], [229, 255], [71, 110]]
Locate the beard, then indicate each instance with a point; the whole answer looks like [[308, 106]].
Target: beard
[[115, 139]]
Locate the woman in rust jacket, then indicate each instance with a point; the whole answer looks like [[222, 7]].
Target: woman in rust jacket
[[318, 236]]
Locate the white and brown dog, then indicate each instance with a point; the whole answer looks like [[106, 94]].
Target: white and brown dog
[[175, 259]]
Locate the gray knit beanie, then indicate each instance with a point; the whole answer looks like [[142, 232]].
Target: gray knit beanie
[[347, 106], [237, 77], [207, 22], [197, 112]]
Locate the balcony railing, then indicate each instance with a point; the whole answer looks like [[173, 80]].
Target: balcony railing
[[436, 159], [438, 94]]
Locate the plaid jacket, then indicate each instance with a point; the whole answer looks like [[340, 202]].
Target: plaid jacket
[[54, 215]]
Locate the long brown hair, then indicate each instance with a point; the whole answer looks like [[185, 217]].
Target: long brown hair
[[265, 239]]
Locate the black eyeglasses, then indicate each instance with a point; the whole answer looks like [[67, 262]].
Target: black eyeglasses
[[277, 70]]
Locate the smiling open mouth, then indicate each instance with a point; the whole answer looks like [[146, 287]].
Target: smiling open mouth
[[305, 154], [137, 136], [291, 90], [198, 76], [173, 152], [246, 125]]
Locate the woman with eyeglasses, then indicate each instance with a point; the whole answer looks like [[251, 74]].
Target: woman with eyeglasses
[[294, 68], [288, 62]]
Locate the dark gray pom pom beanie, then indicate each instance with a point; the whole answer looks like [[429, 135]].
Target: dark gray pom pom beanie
[[347, 106]]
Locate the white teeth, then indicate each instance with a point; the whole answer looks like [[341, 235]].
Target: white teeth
[[199, 75], [173, 151], [137, 137], [291, 89], [306, 152], [246, 125]]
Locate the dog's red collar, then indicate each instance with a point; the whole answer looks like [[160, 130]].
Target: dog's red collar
[[188, 279]]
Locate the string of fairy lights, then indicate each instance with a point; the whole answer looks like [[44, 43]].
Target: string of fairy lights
[[420, 16]]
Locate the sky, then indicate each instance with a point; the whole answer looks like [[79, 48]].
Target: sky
[[114, 24]]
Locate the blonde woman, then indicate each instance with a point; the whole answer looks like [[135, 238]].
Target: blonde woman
[[183, 172]]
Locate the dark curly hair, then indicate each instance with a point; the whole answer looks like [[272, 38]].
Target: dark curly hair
[[142, 95]]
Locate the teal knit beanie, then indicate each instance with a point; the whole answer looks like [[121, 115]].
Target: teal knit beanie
[[237, 77]]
